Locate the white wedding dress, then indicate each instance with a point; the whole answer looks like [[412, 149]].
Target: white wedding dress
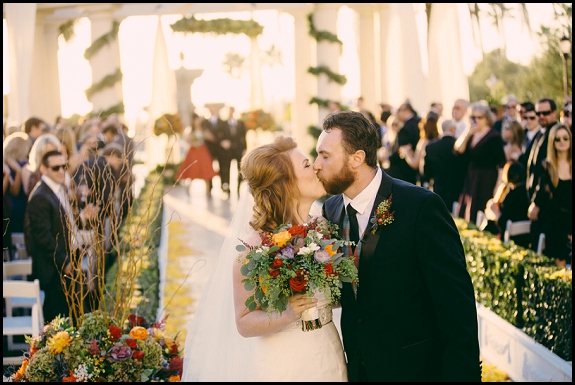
[[215, 351]]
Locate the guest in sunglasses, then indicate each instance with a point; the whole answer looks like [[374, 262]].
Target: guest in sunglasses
[[552, 206], [480, 146]]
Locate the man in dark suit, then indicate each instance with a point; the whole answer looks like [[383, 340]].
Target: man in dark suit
[[219, 143], [413, 315], [443, 166], [238, 144], [407, 136]]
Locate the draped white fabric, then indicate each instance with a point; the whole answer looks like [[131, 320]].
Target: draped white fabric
[[447, 81], [21, 23]]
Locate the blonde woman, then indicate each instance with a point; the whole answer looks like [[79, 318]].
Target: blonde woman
[[15, 152], [554, 195]]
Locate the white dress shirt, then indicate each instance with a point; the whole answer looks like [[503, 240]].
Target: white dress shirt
[[364, 201]]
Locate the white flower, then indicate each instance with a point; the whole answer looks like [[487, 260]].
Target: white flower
[[308, 249]]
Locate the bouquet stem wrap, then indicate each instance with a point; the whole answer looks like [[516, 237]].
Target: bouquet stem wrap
[[310, 320]]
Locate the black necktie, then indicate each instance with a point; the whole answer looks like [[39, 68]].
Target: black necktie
[[353, 226]]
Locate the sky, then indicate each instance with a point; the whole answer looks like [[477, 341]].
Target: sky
[[137, 37]]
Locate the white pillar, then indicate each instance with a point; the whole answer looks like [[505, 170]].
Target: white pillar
[[107, 60], [45, 100], [21, 21], [368, 55], [303, 114], [447, 80], [184, 79], [383, 20], [328, 54], [257, 88]]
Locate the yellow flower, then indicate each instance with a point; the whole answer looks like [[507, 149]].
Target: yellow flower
[[58, 342], [329, 250], [138, 333], [281, 238], [157, 334]]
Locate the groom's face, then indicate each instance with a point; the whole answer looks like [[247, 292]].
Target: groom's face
[[331, 165]]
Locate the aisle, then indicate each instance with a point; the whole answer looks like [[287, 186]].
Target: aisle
[[196, 227]]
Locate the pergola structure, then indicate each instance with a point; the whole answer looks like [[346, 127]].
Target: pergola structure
[[391, 63]]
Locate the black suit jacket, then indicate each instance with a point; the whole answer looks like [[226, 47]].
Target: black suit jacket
[[398, 166], [220, 131], [446, 168], [238, 138], [414, 318], [534, 166], [46, 234]]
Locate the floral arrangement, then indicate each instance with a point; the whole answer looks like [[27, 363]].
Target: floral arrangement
[[169, 124], [224, 26], [382, 215], [296, 259], [101, 351], [259, 119]]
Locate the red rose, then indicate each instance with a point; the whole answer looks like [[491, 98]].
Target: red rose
[[138, 355], [274, 273], [298, 284], [328, 268], [277, 263], [136, 320], [115, 333], [131, 343], [298, 230], [176, 364]]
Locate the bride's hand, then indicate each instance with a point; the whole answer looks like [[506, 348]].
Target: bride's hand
[[298, 303]]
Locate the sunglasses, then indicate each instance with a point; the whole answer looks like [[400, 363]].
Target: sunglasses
[[530, 117], [544, 113], [564, 138], [511, 107], [473, 117], [58, 167]]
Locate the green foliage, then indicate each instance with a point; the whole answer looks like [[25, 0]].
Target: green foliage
[[67, 29], [102, 41], [332, 76], [321, 35], [190, 24], [107, 82], [117, 109], [314, 131]]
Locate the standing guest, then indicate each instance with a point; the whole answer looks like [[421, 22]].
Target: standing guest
[[388, 141], [512, 134], [198, 163], [43, 144], [522, 109], [481, 145], [443, 166], [429, 133], [531, 125], [49, 229], [510, 106], [34, 127], [109, 133], [238, 142], [459, 113], [406, 140], [368, 115], [546, 110], [218, 144], [552, 206], [412, 317], [6, 209], [566, 114], [386, 112]]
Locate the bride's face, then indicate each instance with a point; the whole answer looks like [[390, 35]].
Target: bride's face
[[309, 185]]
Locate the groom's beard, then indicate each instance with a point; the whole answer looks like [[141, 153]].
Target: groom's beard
[[341, 182]]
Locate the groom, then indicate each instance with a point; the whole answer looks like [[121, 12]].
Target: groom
[[412, 316]]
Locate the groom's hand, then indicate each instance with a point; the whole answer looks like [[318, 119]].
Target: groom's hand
[[298, 303]]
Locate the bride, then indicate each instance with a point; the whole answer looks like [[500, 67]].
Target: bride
[[226, 341]]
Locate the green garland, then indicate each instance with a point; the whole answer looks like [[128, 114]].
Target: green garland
[[117, 109], [321, 35], [190, 24], [107, 81], [67, 29], [338, 78], [103, 40]]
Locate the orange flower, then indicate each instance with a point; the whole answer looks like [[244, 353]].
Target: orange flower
[[174, 379], [58, 342], [281, 238], [19, 375], [330, 251], [70, 378], [138, 333]]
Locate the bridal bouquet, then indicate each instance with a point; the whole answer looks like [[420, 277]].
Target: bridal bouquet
[[294, 260], [100, 350]]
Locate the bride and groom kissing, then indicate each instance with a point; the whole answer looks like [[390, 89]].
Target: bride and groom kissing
[[411, 317]]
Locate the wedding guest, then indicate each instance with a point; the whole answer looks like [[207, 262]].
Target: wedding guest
[[510, 105], [512, 134], [552, 206], [238, 143], [34, 127], [482, 148], [459, 113], [43, 144], [531, 125], [407, 136], [429, 133], [218, 144]]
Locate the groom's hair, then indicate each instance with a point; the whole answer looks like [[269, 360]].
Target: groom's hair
[[357, 133]]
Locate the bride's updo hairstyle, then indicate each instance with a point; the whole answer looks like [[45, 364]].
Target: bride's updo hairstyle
[[269, 172]]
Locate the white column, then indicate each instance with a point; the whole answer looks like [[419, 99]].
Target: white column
[[447, 80], [45, 100], [21, 21], [303, 114], [368, 54], [383, 20], [107, 60], [328, 54], [257, 88]]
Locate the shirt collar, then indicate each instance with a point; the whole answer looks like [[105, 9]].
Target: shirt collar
[[365, 199], [54, 186]]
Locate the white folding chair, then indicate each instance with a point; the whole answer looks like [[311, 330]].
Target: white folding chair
[[541, 244], [18, 270], [19, 246], [21, 325], [516, 228]]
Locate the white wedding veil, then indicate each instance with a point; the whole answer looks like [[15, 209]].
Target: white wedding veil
[[214, 350]]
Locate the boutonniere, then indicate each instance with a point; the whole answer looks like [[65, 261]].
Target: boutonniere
[[382, 215]]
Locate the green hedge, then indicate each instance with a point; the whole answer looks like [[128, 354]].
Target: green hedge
[[526, 289]]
